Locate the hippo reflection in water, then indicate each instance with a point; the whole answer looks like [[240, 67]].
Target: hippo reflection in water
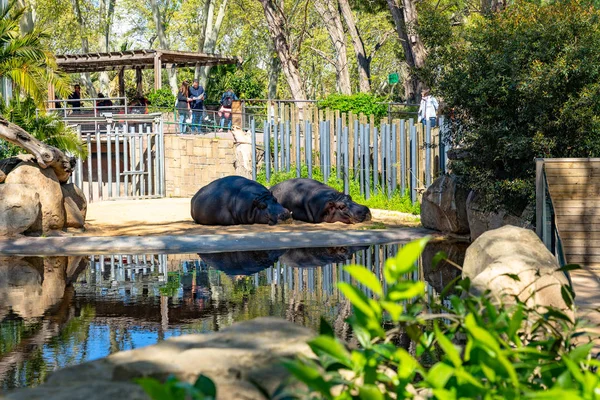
[[242, 262], [312, 201], [318, 256], [235, 200]]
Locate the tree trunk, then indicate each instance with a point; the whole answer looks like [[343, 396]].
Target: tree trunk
[[107, 9], [289, 61], [28, 18], [405, 16], [328, 9], [45, 155], [206, 15], [274, 71], [364, 62], [86, 80], [163, 43], [210, 41]]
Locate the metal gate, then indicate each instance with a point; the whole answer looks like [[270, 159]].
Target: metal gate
[[125, 157]]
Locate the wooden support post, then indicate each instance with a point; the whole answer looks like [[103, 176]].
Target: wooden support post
[[122, 82], [157, 71], [138, 82]]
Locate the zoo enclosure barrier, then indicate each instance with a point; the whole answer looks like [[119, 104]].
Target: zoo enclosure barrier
[[125, 159], [385, 158]]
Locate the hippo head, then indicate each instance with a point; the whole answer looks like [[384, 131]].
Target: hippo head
[[341, 208], [266, 210]]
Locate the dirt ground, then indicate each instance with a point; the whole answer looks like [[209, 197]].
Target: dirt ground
[[172, 217]]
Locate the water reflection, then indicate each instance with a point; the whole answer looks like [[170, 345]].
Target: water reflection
[[60, 311]]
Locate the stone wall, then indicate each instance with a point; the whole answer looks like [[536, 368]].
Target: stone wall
[[192, 161]]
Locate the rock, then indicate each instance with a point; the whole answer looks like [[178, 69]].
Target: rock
[[444, 206], [20, 209], [2, 177], [246, 351], [498, 256], [481, 221], [20, 287], [48, 188], [73, 217], [72, 191], [243, 153]]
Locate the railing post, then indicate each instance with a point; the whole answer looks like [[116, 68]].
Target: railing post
[[253, 138]]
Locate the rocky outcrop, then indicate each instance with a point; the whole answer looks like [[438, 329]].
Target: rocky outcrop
[[233, 358], [512, 261], [243, 153], [20, 209], [481, 221], [33, 201], [48, 188], [443, 207]]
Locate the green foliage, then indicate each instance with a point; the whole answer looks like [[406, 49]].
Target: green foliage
[[173, 284], [173, 389], [46, 127], [475, 349], [364, 103], [379, 200], [521, 84], [161, 100], [246, 82]]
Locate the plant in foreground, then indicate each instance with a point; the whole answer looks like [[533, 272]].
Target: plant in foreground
[[174, 389]]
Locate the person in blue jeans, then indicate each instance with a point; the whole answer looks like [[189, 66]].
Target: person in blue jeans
[[197, 96], [225, 111], [183, 105]]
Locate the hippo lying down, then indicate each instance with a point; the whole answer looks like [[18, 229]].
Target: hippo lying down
[[235, 200], [312, 201]]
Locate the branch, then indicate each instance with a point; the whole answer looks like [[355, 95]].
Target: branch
[[384, 39], [45, 155], [324, 55]]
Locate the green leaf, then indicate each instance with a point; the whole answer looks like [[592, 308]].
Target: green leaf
[[569, 267], [447, 346], [308, 373], [406, 290], [514, 277], [205, 385], [567, 295], [581, 352], [356, 297], [370, 392], [405, 260], [516, 321], [407, 365], [325, 328], [439, 375], [439, 256], [394, 309], [155, 389], [366, 277], [332, 347], [554, 394]]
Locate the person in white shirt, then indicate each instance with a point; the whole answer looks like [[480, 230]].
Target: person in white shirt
[[428, 108]]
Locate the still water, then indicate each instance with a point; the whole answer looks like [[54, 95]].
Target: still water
[[62, 311]]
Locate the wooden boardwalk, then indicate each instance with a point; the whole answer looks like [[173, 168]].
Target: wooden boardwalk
[[574, 188]]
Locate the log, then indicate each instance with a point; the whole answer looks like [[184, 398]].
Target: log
[[46, 156]]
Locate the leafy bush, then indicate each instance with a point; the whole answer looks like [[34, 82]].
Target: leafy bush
[[397, 202], [475, 349], [173, 389], [46, 127], [161, 100], [357, 103], [521, 84], [247, 82]]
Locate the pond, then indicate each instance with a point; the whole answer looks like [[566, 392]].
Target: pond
[[62, 311]]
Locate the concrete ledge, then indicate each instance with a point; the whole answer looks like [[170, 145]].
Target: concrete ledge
[[170, 244]]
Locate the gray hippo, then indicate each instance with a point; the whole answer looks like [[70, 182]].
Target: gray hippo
[[235, 200], [312, 201], [242, 262], [318, 256]]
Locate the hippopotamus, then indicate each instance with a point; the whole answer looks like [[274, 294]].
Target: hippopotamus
[[312, 201], [235, 200], [318, 256], [242, 262]]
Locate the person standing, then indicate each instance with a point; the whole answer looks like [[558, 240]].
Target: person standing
[[75, 98], [225, 111], [183, 105], [196, 100], [428, 108]]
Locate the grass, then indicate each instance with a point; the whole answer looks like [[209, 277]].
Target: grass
[[396, 202]]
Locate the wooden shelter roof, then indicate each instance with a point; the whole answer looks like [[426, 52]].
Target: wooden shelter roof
[[131, 59]]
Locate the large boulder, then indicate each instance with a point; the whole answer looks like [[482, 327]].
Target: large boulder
[[20, 209], [233, 358], [243, 152], [443, 207], [48, 188], [481, 221], [512, 261], [75, 205]]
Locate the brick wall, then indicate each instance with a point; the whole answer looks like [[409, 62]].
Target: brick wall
[[193, 161]]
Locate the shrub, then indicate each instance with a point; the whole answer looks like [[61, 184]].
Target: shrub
[[161, 100], [521, 84], [357, 103], [473, 349], [379, 200]]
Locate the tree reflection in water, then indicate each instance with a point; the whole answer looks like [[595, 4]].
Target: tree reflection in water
[[60, 311]]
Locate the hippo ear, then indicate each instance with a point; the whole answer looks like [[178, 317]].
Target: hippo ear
[[259, 204]]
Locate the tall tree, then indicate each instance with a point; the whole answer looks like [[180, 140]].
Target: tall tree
[[160, 25], [85, 45], [329, 11], [106, 12], [404, 13], [364, 62], [211, 32], [280, 36]]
